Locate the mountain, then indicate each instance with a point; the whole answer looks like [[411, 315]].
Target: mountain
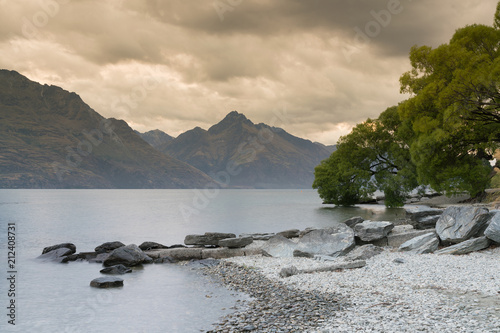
[[259, 155], [49, 138], [155, 137]]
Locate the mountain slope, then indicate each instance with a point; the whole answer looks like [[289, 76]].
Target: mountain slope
[[49, 138], [263, 156], [155, 137]]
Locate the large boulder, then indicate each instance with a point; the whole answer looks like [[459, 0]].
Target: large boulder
[[458, 224], [236, 243], [108, 247], [146, 246], [209, 238], [279, 246], [130, 255], [69, 246], [493, 230], [471, 245], [369, 231], [351, 223], [324, 242], [426, 243], [403, 233], [106, 282], [423, 217], [364, 252]]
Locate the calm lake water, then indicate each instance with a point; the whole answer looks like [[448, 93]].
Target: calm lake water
[[159, 298]]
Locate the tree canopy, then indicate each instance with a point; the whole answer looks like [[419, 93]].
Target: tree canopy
[[443, 136]]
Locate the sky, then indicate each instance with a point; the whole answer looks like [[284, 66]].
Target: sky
[[312, 67]]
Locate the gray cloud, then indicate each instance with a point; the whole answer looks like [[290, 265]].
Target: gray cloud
[[328, 63]]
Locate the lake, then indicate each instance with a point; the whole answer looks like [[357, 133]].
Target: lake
[[158, 298]]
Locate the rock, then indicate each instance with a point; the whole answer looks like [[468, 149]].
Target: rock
[[69, 246], [236, 243], [181, 253], [99, 258], [176, 246], [396, 238], [353, 221], [249, 328], [152, 246], [369, 231], [56, 255], [108, 247], [259, 236], [336, 267], [106, 282], [203, 263], [364, 252], [165, 260], [426, 243], [221, 253], [493, 229], [130, 255], [288, 271], [292, 233], [209, 238], [300, 254], [323, 242], [279, 247], [423, 217], [468, 246], [399, 261], [458, 224], [116, 269]]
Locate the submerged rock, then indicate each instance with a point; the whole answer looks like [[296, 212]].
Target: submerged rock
[[106, 282], [116, 270]]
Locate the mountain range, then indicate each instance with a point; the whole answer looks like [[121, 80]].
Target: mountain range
[[49, 138]]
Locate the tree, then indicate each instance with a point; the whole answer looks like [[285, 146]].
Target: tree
[[455, 109], [373, 156]]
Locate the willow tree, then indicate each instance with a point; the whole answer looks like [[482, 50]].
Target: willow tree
[[454, 110]]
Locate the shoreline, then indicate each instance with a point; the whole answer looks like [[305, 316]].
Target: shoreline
[[424, 292]]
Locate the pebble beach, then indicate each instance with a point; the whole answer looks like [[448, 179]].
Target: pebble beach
[[394, 292]]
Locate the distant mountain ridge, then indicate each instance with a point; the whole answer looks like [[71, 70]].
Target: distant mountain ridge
[[155, 137], [49, 138], [266, 157]]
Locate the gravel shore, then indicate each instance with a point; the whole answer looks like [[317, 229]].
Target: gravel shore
[[394, 292]]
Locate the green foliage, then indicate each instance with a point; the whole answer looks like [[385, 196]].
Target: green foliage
[[373, 156]]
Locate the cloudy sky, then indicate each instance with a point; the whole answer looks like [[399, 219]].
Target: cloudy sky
[[312, 67]]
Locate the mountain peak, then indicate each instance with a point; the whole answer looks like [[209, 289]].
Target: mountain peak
[[233, 118]]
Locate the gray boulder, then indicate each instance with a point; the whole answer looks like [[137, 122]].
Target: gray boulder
[[146, 246], [292, 233], [108, 247], [423, 217], [458, 224], [209, 238], [130, 255], [426, 243], [106, 282], [364, 252], [353, 221], [279, 246], [116, 270], [236, 243], [369, 231], [57, 255], [471, 245], [493, 230], [324, 242], [69, 246]]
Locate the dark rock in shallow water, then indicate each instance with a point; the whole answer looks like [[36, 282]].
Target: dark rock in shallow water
[[146, 246], [116, 269], [70, 246], [130, 255], [56, 255], [106, 282], [209, 238], [108, 247], [236, 243], [458, 224]]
